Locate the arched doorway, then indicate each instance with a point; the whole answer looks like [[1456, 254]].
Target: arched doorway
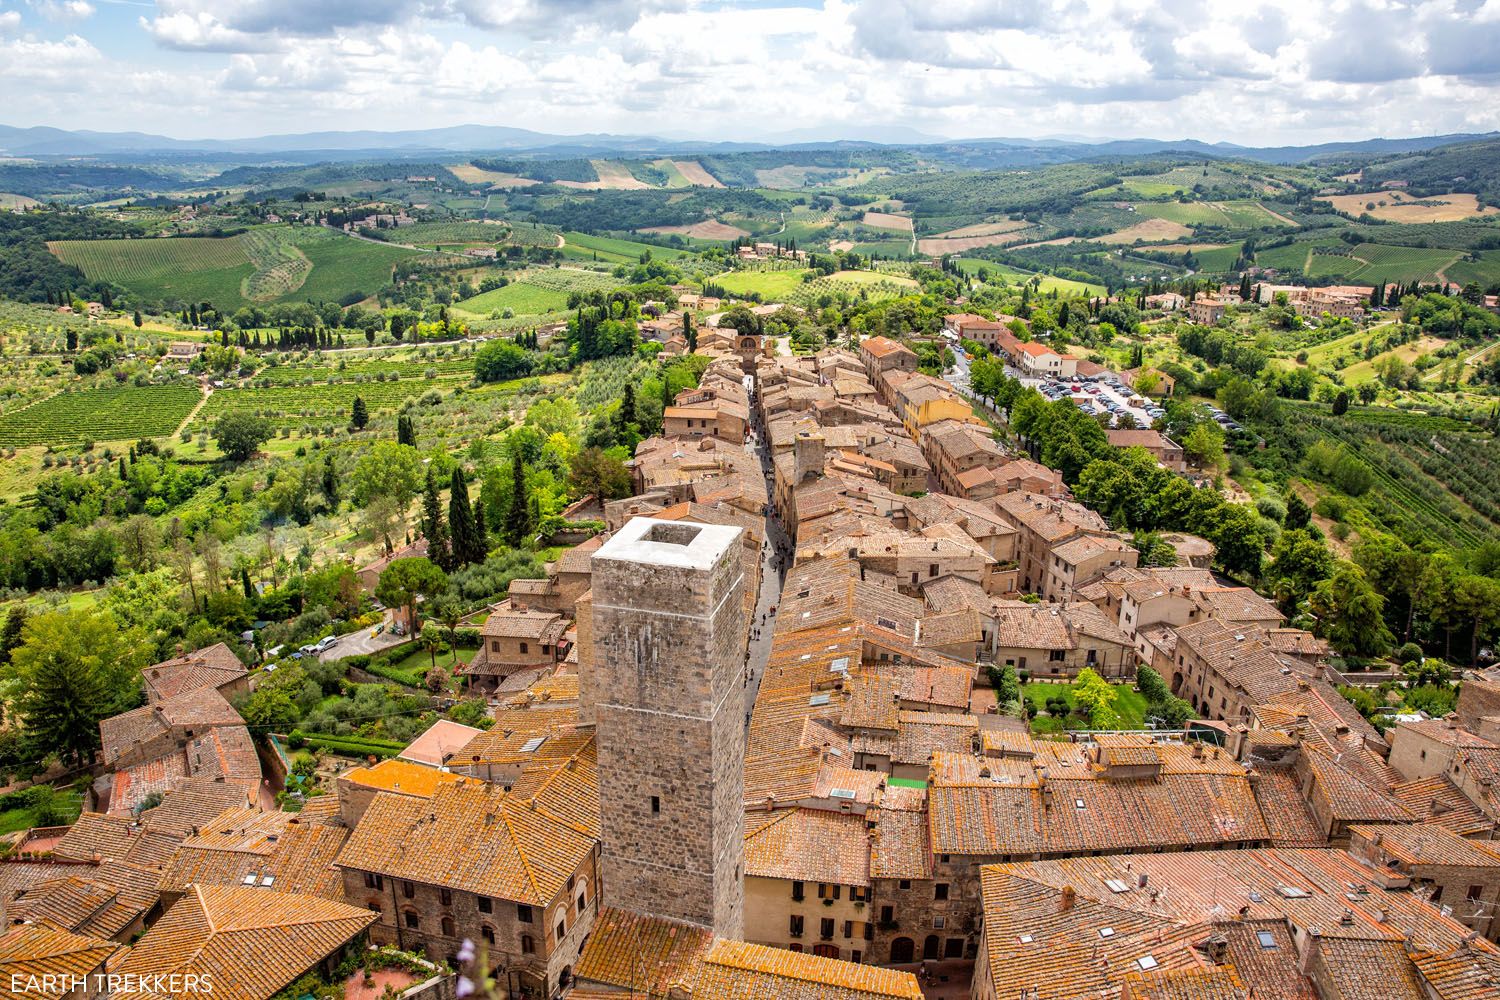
[[931, 947], [903, 949]]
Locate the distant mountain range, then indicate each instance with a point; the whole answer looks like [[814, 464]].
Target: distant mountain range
[[43, 141]]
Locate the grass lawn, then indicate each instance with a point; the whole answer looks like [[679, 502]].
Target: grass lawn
[[419, 659], [771, 285], [23, 817], [1130, 706]]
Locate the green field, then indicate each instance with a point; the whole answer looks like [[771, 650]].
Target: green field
[[1193, 213], [1485, 271], [520, 297], [581, 246], [1374, 262], [770, 285], [1064, 286], [108, 413], [265, 264], [449, 233], [197, 270]]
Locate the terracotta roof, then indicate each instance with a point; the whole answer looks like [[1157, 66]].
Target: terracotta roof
[[199, 709], [736, 970], [36, 950], [294, 850], [95, 835], [1370, 970], [1192, 803], [1427, 845], [900, 848], [471, 837], [1288, 817], [1187, 984], [1075, 927], [632, 951], [883, 346], [808, 845], [246, 943], [543, 626], [99, 901], [213, 667], [403, 776], [1437, 801]]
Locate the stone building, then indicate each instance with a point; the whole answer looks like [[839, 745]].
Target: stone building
[[668, 704]]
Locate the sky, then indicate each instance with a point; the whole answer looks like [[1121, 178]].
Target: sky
[[1269, 73]]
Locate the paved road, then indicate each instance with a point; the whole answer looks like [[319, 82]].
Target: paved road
[[776, 557], [360, 641]]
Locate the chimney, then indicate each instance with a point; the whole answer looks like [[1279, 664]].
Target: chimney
[[1068, 897]]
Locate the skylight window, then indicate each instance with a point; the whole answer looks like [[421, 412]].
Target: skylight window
[[1292, 892], [1080, 804], [840, 665], [842, 793], [531, 745], [1106, 932], [1147, 963], [1256, 897], [818, 699], [1026, 938], [1115, 885], [1266, 939]]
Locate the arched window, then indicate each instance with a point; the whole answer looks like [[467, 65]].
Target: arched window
[[447, 927], [412, 920], [488, 933], [528, 946]]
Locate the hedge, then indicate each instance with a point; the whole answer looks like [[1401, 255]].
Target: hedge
[[357, 746]]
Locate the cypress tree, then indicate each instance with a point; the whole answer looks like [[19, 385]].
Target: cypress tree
[[122, 468], [245, 583], [518, 518], [625, 415], [330, 481], [405, 432], [438, 549], [10, 638], [358, 414], [466, 544]]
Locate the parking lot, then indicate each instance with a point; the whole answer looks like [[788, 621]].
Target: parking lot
[[1098, 394]]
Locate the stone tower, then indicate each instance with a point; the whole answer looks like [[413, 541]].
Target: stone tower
[[668, 702]]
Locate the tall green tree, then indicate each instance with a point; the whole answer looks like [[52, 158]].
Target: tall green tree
[[330, 484], [72, 669], [359, 415], [518, 525], [10, 635], [439, 550], [468, 546], [406, 431]]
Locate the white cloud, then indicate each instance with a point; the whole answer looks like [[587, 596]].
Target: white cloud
[[1289, 71], [63, 10]]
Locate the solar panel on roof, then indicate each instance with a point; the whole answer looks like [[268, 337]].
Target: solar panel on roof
[[531, 745]]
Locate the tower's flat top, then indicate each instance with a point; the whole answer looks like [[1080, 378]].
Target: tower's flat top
[[651, 541]]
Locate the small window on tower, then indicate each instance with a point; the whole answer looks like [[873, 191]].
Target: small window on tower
[[655, 805]]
